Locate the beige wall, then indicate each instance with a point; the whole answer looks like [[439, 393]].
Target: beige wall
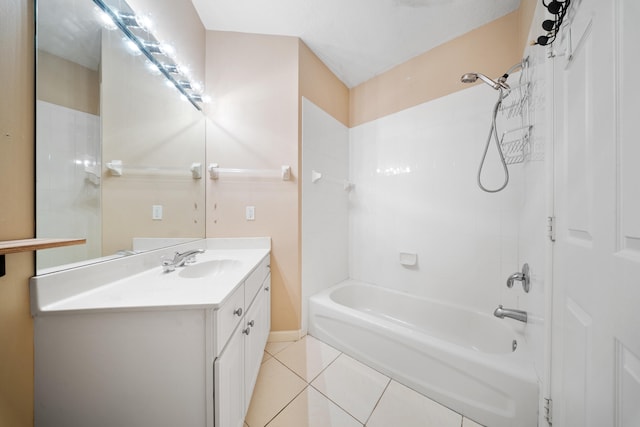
[[253, 124], [525, 21], [319, 85], [490, 49], [66, 83], [17, 178], [145, 123]]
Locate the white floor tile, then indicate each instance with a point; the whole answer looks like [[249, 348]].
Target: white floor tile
[[312, 409], [307, 357], [401, 406], [355, 387], [275, 388], [466, 422], [274, 347]]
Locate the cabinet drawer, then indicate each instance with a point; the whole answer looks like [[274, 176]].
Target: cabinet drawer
[[226, 318], [254, 282]]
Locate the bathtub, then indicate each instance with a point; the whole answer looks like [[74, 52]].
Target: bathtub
[[462, 359]]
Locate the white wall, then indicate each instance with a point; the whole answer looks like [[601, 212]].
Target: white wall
[[325, 148], [67, 197], [415, 175]]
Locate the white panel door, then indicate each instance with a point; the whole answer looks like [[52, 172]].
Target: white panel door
[[596, 314]]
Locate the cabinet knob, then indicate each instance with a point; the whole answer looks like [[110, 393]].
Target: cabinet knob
[[238, 311], [251, 323], [266, 289], [246, 331]]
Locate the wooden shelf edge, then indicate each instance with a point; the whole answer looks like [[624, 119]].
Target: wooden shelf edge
[[25, 245]]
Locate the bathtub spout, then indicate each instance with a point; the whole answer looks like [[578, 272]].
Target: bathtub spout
[[513, 314]]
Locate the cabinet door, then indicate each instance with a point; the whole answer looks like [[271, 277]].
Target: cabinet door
[[229, 405], [257, 323]]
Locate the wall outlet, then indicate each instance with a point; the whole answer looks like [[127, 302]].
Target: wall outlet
[[156, 212], [250, 213]]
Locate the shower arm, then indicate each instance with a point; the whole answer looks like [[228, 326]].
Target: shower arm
[[519, 66]]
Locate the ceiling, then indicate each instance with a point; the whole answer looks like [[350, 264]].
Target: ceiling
[[356, 39], [74, 35]]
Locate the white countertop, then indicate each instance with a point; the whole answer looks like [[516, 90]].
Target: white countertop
[[150, 288]]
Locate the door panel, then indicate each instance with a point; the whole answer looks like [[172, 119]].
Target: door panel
[[629, 143], [595, 363]]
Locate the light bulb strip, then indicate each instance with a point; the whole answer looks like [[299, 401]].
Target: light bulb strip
[[144, 48]]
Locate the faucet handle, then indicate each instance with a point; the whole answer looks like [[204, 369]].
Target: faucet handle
[[168, 265], [522, 277]]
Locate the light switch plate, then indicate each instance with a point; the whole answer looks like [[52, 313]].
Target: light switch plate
[[156, 212], [251, 213]]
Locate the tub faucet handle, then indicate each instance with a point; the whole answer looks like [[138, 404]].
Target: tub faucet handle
[[522, 277]]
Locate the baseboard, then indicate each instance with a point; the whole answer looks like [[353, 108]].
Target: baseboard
[[280, 336]]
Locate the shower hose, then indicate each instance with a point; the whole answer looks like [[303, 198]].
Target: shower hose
[[493, 132]]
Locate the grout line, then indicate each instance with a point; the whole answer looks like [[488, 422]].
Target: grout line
[[289, 402], [317, 375], [285, 406], [336, 403], [378, 401], [333, 401], [310, 385], [282, 349]]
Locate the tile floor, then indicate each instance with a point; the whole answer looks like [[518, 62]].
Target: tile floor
[[307, 383]]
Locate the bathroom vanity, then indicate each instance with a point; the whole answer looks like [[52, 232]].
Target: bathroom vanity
[[124, 343]]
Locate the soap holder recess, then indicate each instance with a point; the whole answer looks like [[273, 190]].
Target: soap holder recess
[[408, 259]]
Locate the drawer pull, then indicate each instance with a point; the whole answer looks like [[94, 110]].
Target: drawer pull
[[251, 323], [246, 331], [238, 311]]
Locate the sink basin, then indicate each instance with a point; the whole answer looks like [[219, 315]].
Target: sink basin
[[209, 268]]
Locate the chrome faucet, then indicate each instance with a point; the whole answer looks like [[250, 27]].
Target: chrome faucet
[[522, 277], [513, 314], [180, 259]]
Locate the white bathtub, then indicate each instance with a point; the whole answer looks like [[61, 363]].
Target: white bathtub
[[457, 357]]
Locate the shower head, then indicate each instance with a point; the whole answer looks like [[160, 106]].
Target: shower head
[[473, 77]]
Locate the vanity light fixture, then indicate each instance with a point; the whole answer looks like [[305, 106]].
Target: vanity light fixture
[[105, 19], [206, 99], [133, 48], [153, 68], [172, 68], [129, 20], [160, 56], [153, 47], [134, 21]]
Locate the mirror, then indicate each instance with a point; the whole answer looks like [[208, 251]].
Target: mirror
[[117, 148]]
